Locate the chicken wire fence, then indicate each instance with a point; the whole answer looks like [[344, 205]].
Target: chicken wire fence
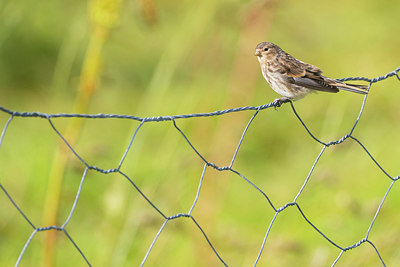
[[207, 164]]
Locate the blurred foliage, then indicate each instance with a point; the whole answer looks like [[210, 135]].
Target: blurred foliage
[[178, 57]]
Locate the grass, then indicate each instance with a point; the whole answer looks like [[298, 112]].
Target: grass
[[165, 59]]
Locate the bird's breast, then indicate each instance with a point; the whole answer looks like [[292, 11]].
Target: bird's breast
[[280, 83], [277, 81]]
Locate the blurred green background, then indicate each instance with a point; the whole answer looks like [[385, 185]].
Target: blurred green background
[[158, 57]]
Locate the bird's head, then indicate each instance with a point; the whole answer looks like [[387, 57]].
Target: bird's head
[[266, 51]]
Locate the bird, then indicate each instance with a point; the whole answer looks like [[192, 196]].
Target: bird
[[294, 79]]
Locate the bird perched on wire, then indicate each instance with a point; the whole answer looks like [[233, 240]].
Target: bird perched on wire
[[294, 79]]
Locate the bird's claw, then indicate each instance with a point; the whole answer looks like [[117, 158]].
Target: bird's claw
[[279, 101]]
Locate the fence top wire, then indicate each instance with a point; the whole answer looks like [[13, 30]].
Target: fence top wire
[[182, 116], [207, 164]]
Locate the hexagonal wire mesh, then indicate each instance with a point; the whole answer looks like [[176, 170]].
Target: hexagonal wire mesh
[[207, 164]]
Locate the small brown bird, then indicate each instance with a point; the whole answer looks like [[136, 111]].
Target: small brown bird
[[294, 79]]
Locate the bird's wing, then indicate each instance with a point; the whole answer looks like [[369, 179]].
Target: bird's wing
[[306, 75], [310, 77], [315, 84]]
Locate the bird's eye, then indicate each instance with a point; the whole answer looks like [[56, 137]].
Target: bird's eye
[[266, 49]]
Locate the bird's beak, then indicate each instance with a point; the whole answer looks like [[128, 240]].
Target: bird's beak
[[257, 53]]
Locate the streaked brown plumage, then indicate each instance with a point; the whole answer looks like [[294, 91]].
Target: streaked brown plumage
[[294, 79]]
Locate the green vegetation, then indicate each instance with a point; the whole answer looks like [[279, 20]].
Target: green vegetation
[[152, 58]]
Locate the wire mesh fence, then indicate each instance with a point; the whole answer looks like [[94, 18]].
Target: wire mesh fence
[[207, 164]]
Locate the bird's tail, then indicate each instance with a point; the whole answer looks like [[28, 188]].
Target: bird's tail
[[355, 88]]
